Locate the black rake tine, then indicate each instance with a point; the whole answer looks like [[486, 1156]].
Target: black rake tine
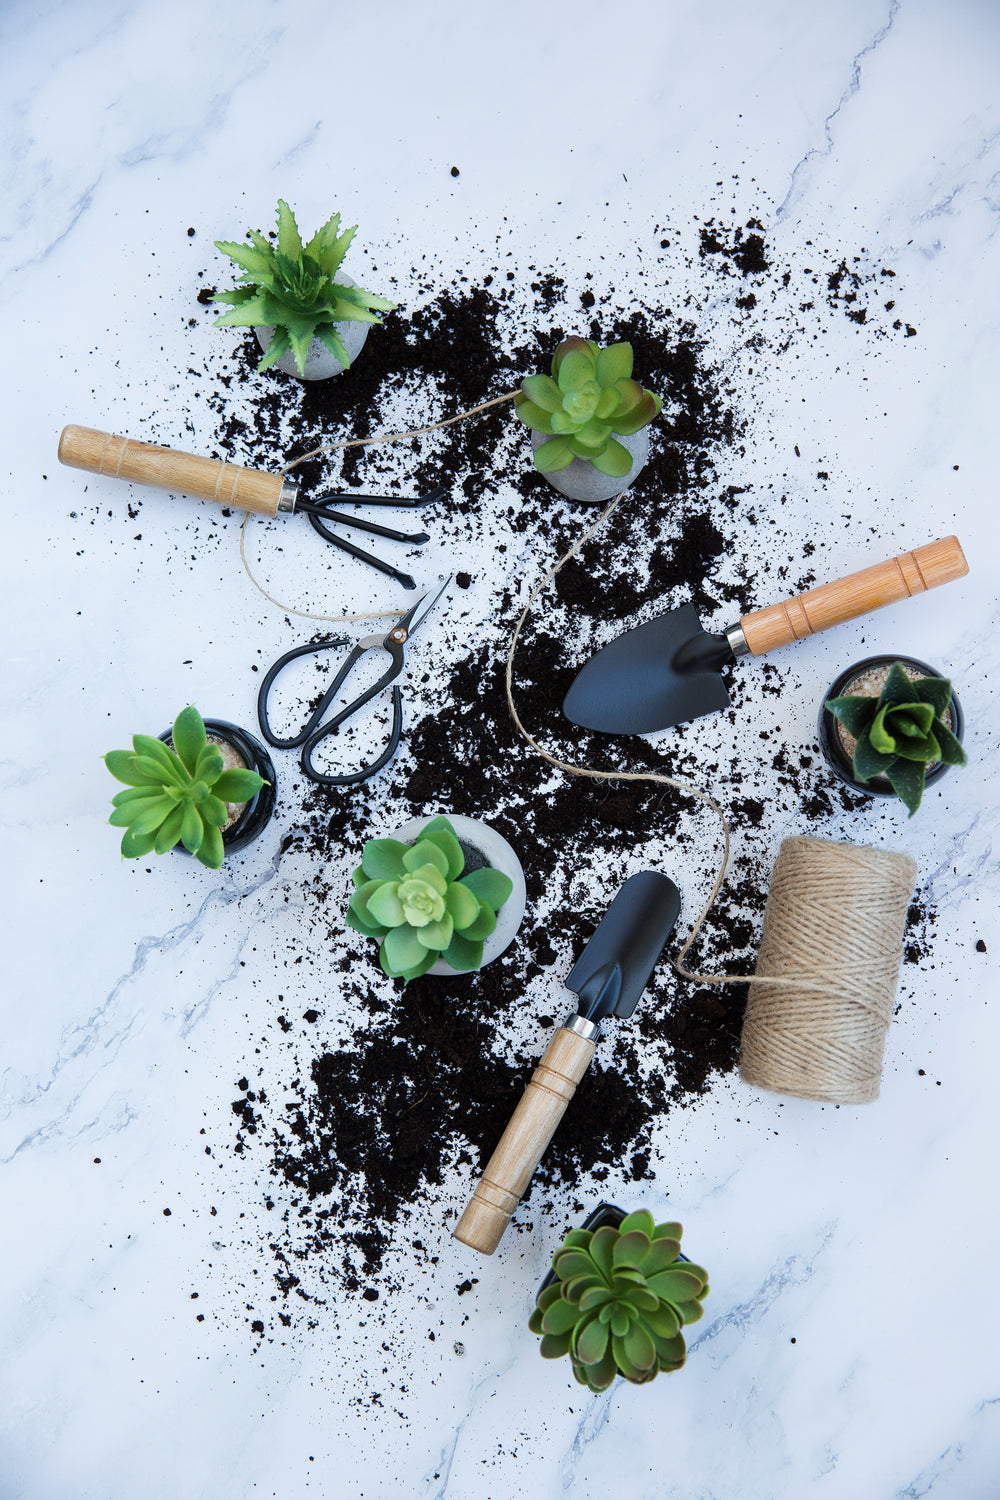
[[347, 497], [365, 557], [417, 538]]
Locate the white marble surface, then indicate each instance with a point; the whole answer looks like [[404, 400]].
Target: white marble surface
[[849, 1346]]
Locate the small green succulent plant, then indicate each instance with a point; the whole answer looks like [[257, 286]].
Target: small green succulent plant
[[294, 288], [415, 900], [179, 795], [901, 732], [589, 397], [619, 1301]]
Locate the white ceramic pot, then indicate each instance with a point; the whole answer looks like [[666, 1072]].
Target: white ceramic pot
[[581, 481], [321, 362], [498, 854]]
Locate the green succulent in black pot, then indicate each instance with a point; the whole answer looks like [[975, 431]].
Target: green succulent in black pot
[[899, 735], [618, 1301]]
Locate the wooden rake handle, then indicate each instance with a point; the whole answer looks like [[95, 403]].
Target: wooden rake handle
[[523, 1143], [204, 478], [857, 594]]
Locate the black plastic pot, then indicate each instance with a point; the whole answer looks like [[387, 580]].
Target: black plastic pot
[[603, 1215], [833, 747], [257, 812]]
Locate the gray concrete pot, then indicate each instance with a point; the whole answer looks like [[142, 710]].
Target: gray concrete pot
[[581, 481], [321, 362], [497, 854]]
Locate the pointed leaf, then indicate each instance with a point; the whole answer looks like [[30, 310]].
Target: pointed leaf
[[247, 256], [868, 762], [237, 785], [535, 417], [615, 461], [951, 748], [854, 712], [401, 950], [214, 811], [289, 241], [122, 765], [542, 391], [209, 765], [192, 828], [897, 687], [906, 777], [576, 369], [425, 852], [150, 817], [436, 935], [211, 849], [936, 691], [135, 845], [446, 841], [640, 416], [169, 831], [150, 749], [463, 908], [188, 736], [328, 335], [880, 736]]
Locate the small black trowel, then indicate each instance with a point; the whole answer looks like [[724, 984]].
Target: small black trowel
[[667, 671], [608, 977]]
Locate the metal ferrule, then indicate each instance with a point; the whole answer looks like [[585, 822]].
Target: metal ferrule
[[288, 495], [589, 1030], [737, 641]]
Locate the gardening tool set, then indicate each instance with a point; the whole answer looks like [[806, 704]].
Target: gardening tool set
[[660, 674]]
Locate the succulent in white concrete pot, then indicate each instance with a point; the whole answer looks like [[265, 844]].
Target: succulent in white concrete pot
[[588, 419], [440, 896], [310, 319]]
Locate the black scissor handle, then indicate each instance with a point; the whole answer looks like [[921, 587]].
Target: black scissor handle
[[272, 673], [352, 777]]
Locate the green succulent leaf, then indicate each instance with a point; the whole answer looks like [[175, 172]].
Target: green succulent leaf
[[463, 908], [691, 1311], [609, 404], [361, 924], [951, 748], [640, 416], [382, 859], [485, 923], [169, 831], [602, 1250], [543, 392], [561, 423], [554, 1346], [237, 785], [381, 905], [662, 1253], [854, 712], [614, 363], [134, 845], [188, 735], [595, 1297], [444, 838], [214, 811], [463, 955], [879, 736], [598, 1377], [401, 950], [868, 761], [665, 1322], [615, 461], [211, 849], [328, 335], [155, 753], [192, 828], [924, 750], [676, 1285], [669, 1231], [639, 1348], [545, 1299], [574, 1263], [897, 687], [135, 796], [561, 1317], [537, 417], [554, 455], [906, 777], [933, 690], [276, 349], [491, 886], [148, 819], [576, 369], [577, 1239], [436, 935], [631, 1249], [415, 970], [670, 1352], [592, 1343], [425, 852], [122, 765], [209, 766]]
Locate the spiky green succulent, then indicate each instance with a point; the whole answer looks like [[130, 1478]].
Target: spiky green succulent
[[179, 795], [295, 289], [416, 901], [619, 1301], [589, 397], [901, 732]]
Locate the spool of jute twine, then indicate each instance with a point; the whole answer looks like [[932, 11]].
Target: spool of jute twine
[[834, 919]]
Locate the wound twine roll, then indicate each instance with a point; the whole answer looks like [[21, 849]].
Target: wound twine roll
[[835, 919]]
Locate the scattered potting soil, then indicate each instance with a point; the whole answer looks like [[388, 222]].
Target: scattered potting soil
[[365, 1096]]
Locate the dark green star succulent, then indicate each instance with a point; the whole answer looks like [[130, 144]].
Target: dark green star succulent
[[589, 397], [416, 901], [619, 1301], [295, 290], [177, 796], [901, 732]]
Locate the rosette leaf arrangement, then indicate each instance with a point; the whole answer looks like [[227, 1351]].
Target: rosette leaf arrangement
[[589, 397], [416, 901], [294, 288], [619, 1301], [182, 795], [899, 733]]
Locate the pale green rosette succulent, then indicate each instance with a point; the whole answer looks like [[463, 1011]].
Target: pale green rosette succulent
[[416, 901], [589, 397], [619, 1301]]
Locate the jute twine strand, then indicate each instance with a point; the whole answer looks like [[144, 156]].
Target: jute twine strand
[[836, 912]]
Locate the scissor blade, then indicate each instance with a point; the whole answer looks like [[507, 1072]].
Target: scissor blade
[[415, 616]]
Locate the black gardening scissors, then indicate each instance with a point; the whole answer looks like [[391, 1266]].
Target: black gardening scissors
[[315, 730]]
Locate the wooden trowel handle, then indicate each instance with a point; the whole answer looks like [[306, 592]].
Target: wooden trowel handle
[[205, 478], [857, 594], [523, 1143]]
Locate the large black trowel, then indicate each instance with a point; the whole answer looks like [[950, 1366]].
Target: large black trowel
[[609, 976]]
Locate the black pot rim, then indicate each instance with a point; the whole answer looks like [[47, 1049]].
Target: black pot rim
[[829, 739], [257, 813]]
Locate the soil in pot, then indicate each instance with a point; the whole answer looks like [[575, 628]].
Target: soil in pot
[[866, 679]]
